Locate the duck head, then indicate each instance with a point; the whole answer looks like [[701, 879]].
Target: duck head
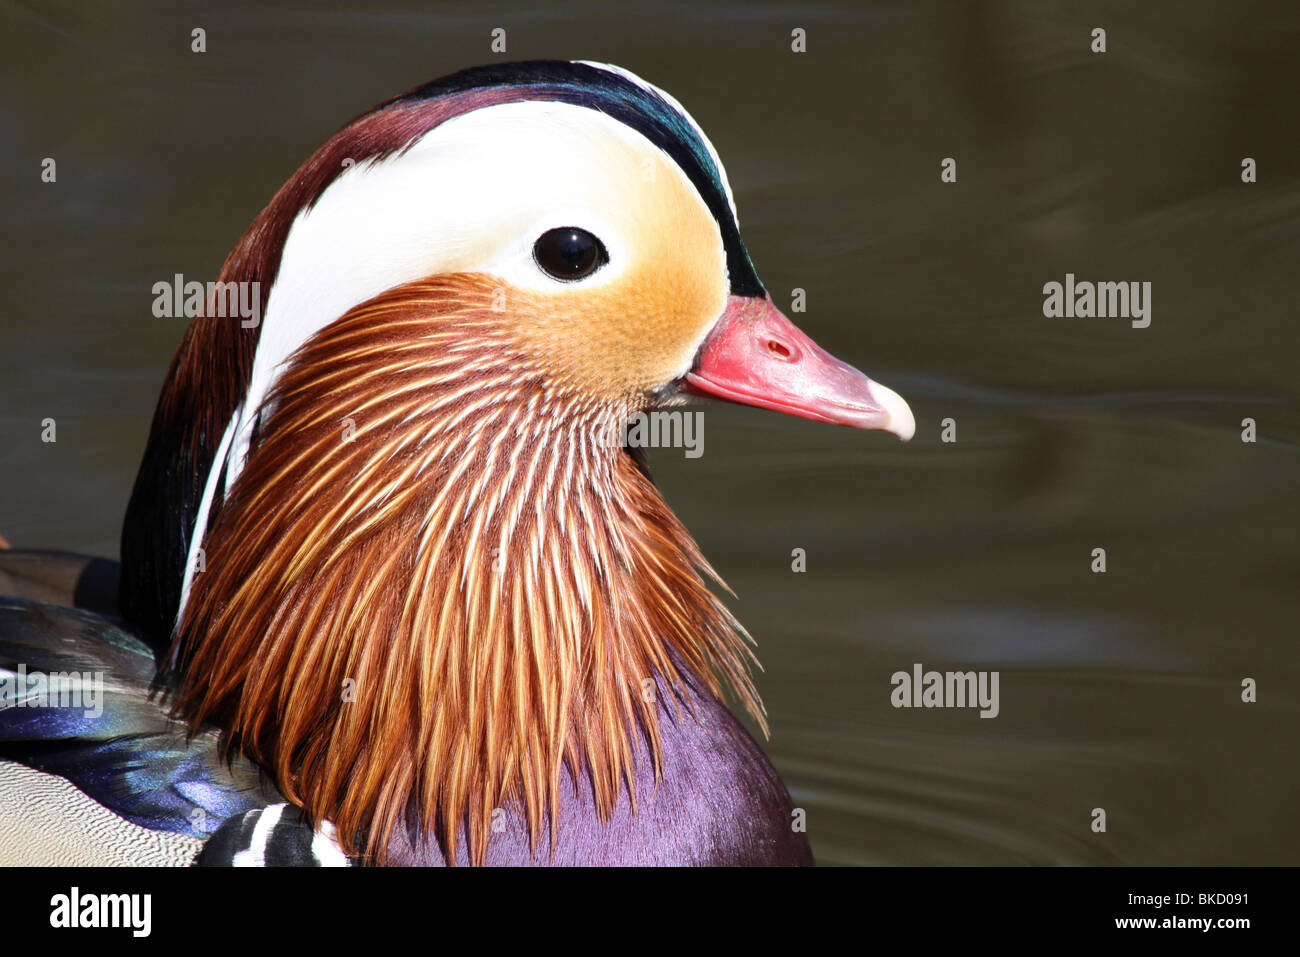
[[379, 534]]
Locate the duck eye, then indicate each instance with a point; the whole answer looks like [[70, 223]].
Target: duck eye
[[569, 253]]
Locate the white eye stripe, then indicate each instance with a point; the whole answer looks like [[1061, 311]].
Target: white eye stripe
[[472, 195], [516, 263]]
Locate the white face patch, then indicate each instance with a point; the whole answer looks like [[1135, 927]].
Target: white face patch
[[472, 195], [672, 101]]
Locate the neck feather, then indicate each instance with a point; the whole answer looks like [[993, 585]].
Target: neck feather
[[434, 589]]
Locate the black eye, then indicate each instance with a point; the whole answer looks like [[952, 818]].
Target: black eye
[[569, 253]]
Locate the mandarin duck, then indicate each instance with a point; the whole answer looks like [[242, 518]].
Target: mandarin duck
[[388, 594]]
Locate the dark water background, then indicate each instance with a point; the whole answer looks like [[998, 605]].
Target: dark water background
[[1120, 690]]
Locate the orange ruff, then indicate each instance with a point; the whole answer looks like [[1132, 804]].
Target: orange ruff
[[437, 588]]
